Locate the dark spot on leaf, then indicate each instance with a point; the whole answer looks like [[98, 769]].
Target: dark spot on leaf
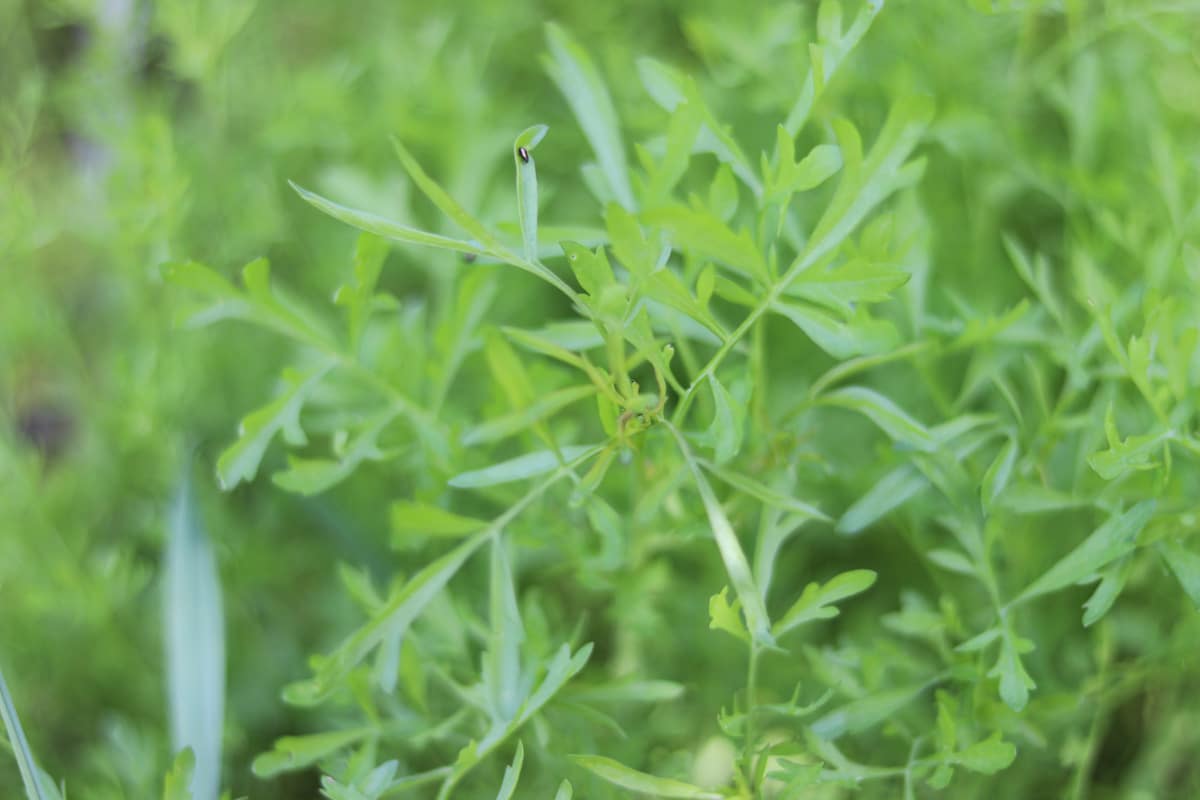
[[524, 154]]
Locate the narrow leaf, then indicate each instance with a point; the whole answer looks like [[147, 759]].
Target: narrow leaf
[[731, 551], [512, 773], [527, 187], [388, 229], [30, 772], [572, 71], [1185, 565], [618, 774], [411, 518], [518, 469], [864, 713], [1114, 539], [889, 417]]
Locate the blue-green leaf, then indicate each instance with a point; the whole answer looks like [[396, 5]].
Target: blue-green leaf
[[31, 774], [518, 469], [194, 631]]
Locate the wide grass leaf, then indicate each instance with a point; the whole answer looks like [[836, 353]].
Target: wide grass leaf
[[194, 632]]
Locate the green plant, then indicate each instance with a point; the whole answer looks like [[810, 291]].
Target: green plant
[[714, 474]]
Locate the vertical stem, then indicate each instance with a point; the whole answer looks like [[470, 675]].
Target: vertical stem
[[751, 702]]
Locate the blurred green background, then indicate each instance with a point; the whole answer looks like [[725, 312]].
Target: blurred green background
[[137, 133]]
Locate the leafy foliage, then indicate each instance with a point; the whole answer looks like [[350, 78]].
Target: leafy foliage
[[752, 437]]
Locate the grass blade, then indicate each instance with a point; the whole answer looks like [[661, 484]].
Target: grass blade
[[194, 632], [30, 772]]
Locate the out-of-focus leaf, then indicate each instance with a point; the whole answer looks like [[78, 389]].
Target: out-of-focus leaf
[[864, 713], [572, 71], [239, 462], [726, 429], [395, 231], [520, 468], [888, 416], [418, 519], [194, 632], [177, 783], [31, 773], [618, 774], [1114, 539], [1185, 565], [817, 601], [292, 753], [512, 774], [842, 288], [862, 335], [703, 233], [989, 756]]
